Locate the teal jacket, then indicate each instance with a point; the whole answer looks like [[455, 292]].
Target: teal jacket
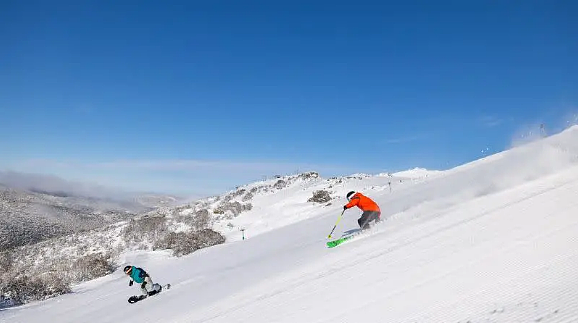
[[138, 274]]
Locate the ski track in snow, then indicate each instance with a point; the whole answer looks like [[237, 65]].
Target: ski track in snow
[[491, 241]]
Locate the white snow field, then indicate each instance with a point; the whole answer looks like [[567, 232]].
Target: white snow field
[[495, 240]]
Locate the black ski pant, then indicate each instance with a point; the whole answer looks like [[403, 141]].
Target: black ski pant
[[367, 217]]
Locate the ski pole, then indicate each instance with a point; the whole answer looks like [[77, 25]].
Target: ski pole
[[336, 223]]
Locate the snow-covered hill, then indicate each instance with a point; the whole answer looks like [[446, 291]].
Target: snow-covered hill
[[84, 193], [489, 241], [35, 207], [267, 205], [28, 217], [417, 172]]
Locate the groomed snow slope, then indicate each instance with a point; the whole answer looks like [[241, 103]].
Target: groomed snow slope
[[490, 241]]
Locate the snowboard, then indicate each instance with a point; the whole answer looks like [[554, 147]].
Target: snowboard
[[138, 298]]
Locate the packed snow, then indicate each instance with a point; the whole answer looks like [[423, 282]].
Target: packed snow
[[490, 241]]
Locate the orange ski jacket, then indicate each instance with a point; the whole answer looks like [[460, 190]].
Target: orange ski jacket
[[363, 202]]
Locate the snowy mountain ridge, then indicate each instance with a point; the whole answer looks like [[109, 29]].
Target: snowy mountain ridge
[[37, 207], [269, 204], [28, 217], [417, 172]]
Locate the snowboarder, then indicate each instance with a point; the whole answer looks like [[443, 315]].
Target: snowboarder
[[141, 277], [371, 211]]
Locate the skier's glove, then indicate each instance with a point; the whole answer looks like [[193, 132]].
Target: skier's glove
[[344, 207], [130, 283]]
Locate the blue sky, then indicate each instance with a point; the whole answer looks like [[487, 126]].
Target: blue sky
[[196, 97]]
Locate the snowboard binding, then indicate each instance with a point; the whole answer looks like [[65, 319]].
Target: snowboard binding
[[157, 289]]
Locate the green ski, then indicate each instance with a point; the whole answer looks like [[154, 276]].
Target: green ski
[[335, 243]]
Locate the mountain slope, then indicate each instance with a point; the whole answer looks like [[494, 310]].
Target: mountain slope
[[267, 205], [490, 241], [29, 217], [32, 209]]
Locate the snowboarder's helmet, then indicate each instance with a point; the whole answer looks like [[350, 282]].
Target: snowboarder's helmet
[[127, 269], [350, 195]]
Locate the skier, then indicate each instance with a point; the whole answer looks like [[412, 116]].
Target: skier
[[371, 211], [140, 276]]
